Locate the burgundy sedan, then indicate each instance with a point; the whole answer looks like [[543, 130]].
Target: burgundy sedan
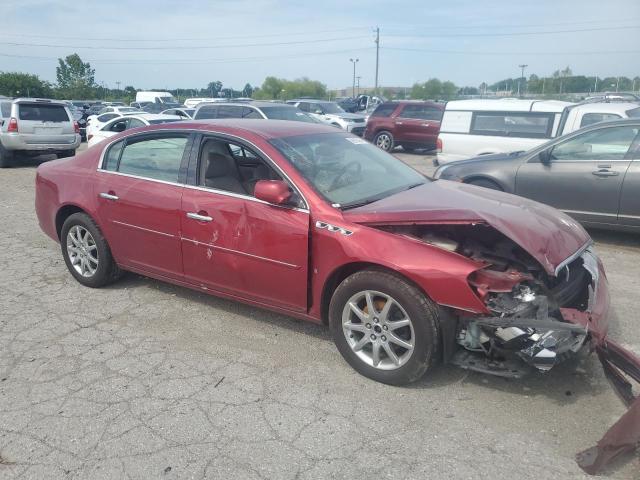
[[321, 225]]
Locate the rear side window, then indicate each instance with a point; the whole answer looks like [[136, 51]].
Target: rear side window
[[591, 118], [43, 113], [421, 112], [384, 110], [5, 109], [508, 124], [156, 158], [206, 113]]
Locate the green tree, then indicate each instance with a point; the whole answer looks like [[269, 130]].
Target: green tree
[[16, 84], [278, 88], [434, 89], [247, 91], [76, 79]]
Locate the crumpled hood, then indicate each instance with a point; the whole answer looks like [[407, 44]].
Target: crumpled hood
[[547, 234]]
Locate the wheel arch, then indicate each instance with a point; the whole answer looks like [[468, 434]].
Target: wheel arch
[[480, 176], [65, 212]]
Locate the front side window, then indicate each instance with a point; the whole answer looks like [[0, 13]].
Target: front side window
[[346, 170], [5, 109], [157, 158], [591, 118], [116, 126], [248, 112], [332, 108], [604, 144], [525, 125], [384, 110]]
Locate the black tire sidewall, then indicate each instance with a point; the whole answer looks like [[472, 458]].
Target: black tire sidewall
[[392, 141], [106, 265], [420, 309]]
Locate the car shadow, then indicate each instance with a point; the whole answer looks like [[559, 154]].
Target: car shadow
[[620, 239]]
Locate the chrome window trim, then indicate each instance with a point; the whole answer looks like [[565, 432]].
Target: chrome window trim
[[304, 209], [136, 227]]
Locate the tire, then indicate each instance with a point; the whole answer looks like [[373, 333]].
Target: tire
[[384, 140], [483, 182], [422, 331], [6, 158], [105, 270], [66, 153]]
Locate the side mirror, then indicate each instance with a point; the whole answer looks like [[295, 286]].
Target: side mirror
[[275, 192], [545, 157]]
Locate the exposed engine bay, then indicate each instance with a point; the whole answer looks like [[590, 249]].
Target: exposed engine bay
[[525, 323]]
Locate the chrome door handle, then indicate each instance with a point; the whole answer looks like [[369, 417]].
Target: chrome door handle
[[108, 196], [605, 173], [426, 124], [200, 218], [398, 123]]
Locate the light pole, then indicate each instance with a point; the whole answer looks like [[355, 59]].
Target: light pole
[[358, 84], [354, 75], [522, 67]]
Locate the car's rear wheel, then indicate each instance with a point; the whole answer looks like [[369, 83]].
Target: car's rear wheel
[[483, 182], [66, 153], [6, 157], [384, 140], [86, 252], [384, 327]]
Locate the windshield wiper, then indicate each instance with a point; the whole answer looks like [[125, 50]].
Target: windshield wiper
[[360, 203]]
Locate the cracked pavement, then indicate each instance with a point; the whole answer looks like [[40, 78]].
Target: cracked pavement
[[144, 380]]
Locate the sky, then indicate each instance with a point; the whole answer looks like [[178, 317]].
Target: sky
[[188, 43]]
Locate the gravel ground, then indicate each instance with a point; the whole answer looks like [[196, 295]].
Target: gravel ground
[[146, 380]]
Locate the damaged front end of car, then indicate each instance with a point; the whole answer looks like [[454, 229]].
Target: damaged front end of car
[[536, 319]]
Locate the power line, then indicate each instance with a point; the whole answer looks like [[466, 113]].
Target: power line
[[511, 34], [165, 39], [499, 53], [405, 26], [195, 47]]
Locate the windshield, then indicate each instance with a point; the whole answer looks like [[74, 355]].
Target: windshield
[[286, 113], [168, 100], [347, 170], [329, 107]]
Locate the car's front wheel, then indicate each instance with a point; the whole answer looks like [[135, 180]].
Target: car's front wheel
[[86, 252], [384, 327], [384, 140]]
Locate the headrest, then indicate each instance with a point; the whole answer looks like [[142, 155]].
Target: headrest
[[220, 165]]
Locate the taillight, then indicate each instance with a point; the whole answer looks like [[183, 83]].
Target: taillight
[[76, 127], [13, 125], [439, 145]]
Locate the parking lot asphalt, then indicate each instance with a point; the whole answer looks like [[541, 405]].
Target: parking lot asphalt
[[145, 380]]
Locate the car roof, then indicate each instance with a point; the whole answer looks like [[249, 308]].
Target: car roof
[[606, 107], [263, 128], [44, 101], [413, 102], [508, 105], [253, 103]]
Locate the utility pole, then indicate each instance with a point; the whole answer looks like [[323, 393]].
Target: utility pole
[[377, 40], [595, 86], [118, 84], [354, 75], [543, 79], [523, 66], [617, 83]]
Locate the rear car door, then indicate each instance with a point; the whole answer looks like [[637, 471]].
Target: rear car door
[[234, 243], [583, 176], [418, 125], [139, 188]]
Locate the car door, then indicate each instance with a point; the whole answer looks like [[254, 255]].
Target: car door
[[236, 244], [629, 213], [582, 175], [416, 126], [139, 191]]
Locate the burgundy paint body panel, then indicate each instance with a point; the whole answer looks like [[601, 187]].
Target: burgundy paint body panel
[[548, 235]]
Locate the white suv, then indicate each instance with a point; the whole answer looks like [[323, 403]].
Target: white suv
[[36, 126], [333, 114]]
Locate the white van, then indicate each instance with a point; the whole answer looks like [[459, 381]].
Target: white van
[[470, 128], [156, 97]]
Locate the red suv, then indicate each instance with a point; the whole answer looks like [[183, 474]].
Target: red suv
[[410, 124]]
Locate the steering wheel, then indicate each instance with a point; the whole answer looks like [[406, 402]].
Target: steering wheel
[[352, 167]]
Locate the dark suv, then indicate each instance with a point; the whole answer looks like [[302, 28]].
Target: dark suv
[[411, 124]]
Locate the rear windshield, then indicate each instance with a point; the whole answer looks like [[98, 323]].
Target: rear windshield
[[5, 109], [43, 113]]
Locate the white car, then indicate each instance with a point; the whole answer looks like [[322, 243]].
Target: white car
[[127, 122], [471, 128], [119, 109], [185, 113], [96, 122], [333, 114]]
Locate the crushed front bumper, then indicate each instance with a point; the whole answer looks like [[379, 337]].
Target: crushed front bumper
[[620, 366]]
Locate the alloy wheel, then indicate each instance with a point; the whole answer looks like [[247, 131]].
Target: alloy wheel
[[383, 141], [82, 251], [378, 330]]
